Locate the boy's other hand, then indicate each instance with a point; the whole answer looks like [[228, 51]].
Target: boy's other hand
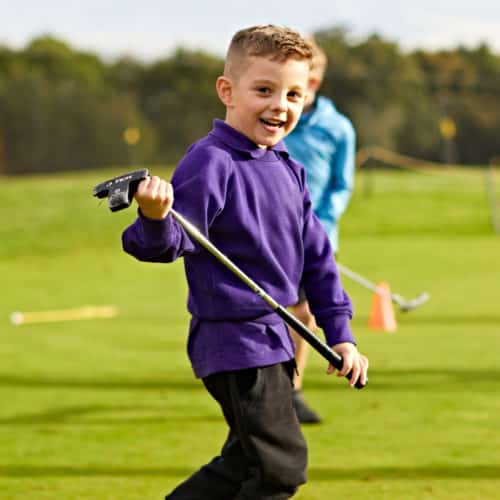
[[155, 197], [353, 361]]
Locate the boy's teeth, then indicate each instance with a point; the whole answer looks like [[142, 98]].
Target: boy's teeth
[[274, 124]]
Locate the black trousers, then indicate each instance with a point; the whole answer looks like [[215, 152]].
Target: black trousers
[[265, 454]]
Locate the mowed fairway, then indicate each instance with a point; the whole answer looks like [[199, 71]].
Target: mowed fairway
[[109, 409]]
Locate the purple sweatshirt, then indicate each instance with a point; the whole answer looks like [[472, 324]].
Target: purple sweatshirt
[[253, 205]]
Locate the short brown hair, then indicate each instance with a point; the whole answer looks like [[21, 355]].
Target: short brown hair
[[319, 60], [276, 42]]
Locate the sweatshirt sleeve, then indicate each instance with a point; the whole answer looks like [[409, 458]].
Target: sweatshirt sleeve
[[200, 185], [327, 299]]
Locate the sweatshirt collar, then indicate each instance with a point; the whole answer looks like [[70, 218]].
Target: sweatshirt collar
[[236, 140]]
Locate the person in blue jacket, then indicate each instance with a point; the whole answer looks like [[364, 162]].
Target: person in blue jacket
[[324, 141]]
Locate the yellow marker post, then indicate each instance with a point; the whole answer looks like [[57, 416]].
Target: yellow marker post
[[448, 128], [131, 136]]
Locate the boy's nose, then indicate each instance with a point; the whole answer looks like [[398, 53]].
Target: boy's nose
[[279, 102]]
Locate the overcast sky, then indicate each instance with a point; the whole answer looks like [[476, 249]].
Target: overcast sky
[[150, 29]]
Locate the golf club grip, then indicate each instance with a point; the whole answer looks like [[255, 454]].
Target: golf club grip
[[329, 354]]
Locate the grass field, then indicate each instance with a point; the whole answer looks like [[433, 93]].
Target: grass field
[[109, 409]]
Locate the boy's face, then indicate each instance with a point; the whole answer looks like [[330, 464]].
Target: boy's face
[[266, 100]]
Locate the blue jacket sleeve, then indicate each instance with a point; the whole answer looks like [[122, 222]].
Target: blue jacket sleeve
[[342, 171], [200, 184], [329, 302]]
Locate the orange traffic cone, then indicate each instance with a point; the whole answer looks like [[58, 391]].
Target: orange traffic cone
[[382, 312]]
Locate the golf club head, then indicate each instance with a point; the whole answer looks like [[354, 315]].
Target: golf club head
[[421, 299], [120, 190]]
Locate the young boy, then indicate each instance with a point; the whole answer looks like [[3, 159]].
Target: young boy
[[239, 186], [324, 141]]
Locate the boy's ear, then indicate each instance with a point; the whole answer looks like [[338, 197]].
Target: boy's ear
[[224, 88], [314, 84]]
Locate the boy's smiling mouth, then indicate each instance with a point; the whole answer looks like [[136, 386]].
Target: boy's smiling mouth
[[272, 123]]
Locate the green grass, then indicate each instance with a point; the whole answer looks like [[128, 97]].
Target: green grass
[[109, 409]]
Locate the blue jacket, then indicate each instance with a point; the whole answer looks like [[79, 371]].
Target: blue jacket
[[324, 141]]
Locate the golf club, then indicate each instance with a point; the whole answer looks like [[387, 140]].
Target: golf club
[[405, 305], [128, 183]]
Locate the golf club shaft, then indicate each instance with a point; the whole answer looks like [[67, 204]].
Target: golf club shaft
[[330, 355], [366, 283]]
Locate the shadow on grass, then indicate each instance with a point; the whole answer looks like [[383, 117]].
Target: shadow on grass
[[415, 318], [459, 320], [84, 416], [444, 379], [105, 384], [448, 380], [407, 472], [315, 474]]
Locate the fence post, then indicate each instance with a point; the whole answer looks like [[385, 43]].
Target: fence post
[[489, 179]]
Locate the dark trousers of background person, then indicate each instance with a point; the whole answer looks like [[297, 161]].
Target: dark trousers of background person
[[265, 454]]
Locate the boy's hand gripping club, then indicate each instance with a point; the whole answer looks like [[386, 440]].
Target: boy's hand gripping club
[[120, 192]]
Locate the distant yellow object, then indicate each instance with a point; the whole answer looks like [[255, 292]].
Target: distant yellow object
[[447, 128], [131, 136], [86, 312]]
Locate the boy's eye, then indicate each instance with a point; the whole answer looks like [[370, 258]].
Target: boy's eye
[[295, 94], [264, 90]]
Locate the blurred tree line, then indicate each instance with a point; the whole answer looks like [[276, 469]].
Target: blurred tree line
[[64, 109]]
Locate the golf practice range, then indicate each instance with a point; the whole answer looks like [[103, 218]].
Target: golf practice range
[[101, 403]]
